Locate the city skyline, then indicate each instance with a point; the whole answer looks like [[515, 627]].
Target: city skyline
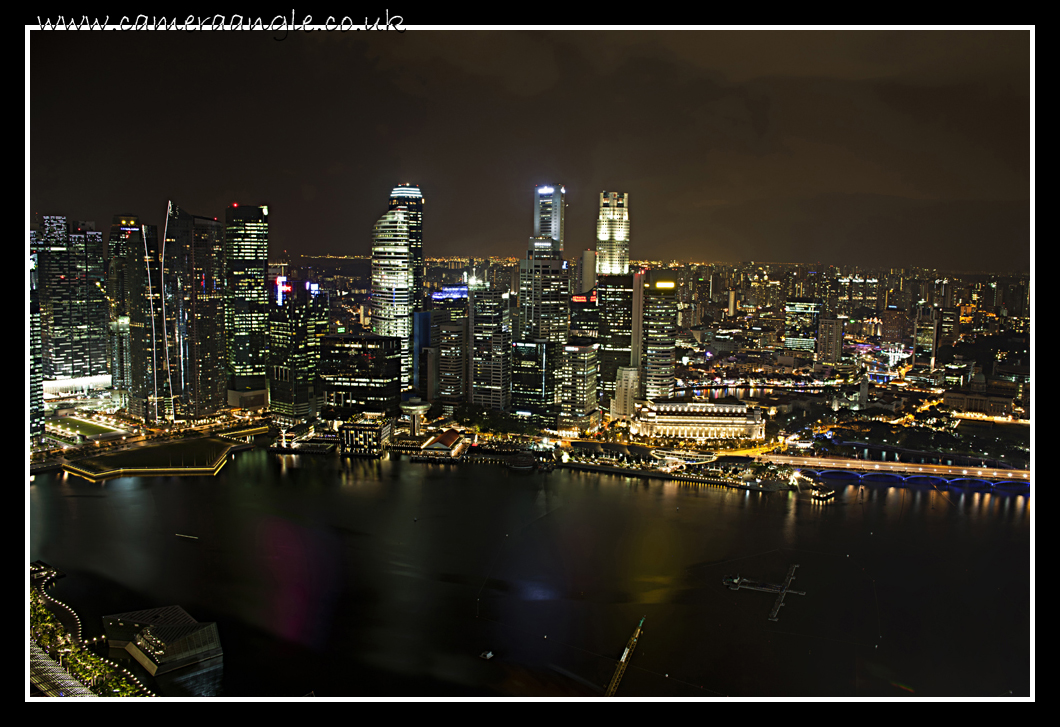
[[871, 148]]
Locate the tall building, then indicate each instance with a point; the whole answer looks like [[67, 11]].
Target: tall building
[[627, 388], [550, 212], [926, 338], [298, 320], [578, 410], [490, 332], [533, 390], [148, 375], [801, 317], [360, 373], [409, 197], [586, 278], [659, 335], [544, 292], [36, 363], [193, 298], [125, 236], [392, 281], [614, 302], [612, 234], [246, 246], [73, 305], [830, 340]]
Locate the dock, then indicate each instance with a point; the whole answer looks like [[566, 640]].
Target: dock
[[735, 583], [623, 661]]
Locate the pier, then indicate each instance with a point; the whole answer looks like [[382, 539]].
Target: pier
[[623, 661], [736, 583]]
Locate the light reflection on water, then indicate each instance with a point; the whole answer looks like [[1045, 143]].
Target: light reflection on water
[[365, 577]]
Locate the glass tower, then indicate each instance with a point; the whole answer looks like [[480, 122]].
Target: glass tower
[[410, 198], [612, 234], [392, 284], [550, 212], [246, 259]]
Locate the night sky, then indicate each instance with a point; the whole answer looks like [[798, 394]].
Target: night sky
[[875, 148]]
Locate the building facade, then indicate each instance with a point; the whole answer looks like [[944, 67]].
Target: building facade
[[612, 234], [246, 254]]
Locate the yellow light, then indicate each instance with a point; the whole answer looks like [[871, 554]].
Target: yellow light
[[664, 285]]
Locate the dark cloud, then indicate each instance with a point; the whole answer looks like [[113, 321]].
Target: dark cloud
[[887, 147]]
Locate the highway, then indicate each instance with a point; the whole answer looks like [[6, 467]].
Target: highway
[[908, 468]]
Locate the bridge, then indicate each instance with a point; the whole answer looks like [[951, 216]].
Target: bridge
[[908, 470]]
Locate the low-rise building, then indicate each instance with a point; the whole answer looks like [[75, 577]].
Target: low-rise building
[[366, 434], [699, 420]]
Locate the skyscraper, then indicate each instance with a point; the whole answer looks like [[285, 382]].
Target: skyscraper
[[612, 234], [246, 246], [298, 320], [490, 332], [800, 324], [125, 236], [659, 335], [544, 292], [410, 198], [72, 300], [392, 282], [614, 300], [550, 212], [830, 340], [36, 363], [148, 378]]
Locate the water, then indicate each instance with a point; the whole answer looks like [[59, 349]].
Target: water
[[387, 578]]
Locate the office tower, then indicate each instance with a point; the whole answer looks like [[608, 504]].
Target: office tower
[[544, 292], [359, 373], [614, 302], [409, 197], [578, 410], [585, 315], [392, 281], [298, 320], [627, 389], [550, 212], [731, 309], [36, 362], [193, 297], [801, 317], [612, 234], [856, 291], [659, 335], [926, 338], [490, 333], [453, 355], [73, 306], [125, 235], [830, 340], [533, 389], [246, 247], [148, 375]]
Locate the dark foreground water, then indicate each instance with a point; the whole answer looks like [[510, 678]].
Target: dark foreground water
[[388, 578]]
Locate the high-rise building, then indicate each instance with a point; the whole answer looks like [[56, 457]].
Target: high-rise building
[[585, 280], [830, 340], [409, 197], [627, 388], [578, 410], [36, 362], [360, 373], [125, 236], [614, 302], [550, 212], [149, 397], [490, 333], [533, 390], [659, 335], [544, 292], [193, 298], [926, 338], [73, 304], [246, 246], [612, 234], [801, 317], [392, 281], [298, 320]]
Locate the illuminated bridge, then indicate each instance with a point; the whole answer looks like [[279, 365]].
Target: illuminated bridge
[[904, 470]]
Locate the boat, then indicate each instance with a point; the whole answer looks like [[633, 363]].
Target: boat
[[486, 655]]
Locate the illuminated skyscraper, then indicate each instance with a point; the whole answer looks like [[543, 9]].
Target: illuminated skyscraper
[[410, 198], [392, 283], [659, 334], [246, 246], [550, 212], [36, 363], [830, 340], [298, 320], [148, 379], [614, 300], [490, 333], [125, 236], [801, 317], [612, 234]]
